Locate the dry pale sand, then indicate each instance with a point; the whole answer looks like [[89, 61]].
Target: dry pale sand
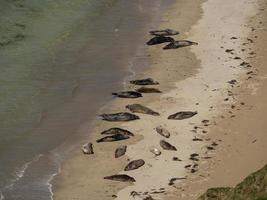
[[192, 79]]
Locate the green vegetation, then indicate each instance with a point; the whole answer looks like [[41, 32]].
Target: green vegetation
[[254, 187]]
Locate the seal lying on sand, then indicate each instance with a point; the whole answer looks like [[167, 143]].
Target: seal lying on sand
[[120, 151], [113, 138], [164, 32], [120, 177], [159, 40], [137, 108], [155, 151], [148, 90], [167, 146], [128, 94], [182, 115], [88, 148], [179, 44], [163, 131], [147, 81], [122, 116], [135, 164], [113, 131]]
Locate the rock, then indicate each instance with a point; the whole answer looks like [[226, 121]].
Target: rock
[[128, 94], [182, 115], [176, 159], [88, 148], [113, 131], [148, 90], [155, 151], [229, 50], [122, 116], [167, 146], [120, 177], [113, 138], [194, 157], [137, 108], [171, 182], [179, 44], [159, 40], [120, 151], [135, 164], [148, 198], [134, 193], [164, 32], [147, 81], [197, 139], [232, 82], [163, 132], [214, 144], [210, 148], [237, 58]]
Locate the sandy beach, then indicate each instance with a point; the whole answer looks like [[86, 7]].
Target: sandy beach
[[222, 78]]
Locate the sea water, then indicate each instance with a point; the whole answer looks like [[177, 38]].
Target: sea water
[[59, 62]]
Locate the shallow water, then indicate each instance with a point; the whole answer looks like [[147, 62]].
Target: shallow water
[[59, 62]]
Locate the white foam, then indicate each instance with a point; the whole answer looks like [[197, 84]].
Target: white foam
[[19, 173]]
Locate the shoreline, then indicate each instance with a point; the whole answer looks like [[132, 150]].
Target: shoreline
[[188, 83]]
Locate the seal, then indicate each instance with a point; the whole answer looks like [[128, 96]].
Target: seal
[[167, 146], [137, 108], [179, 44], [146, 81], [113, 138], [135, 164], [148, 90], [120, 177], [121, 116], [120, 151], [88, 148], [182, 115], [113, 131], [155, 151], [128, 94], [163, 131], [159, 40], [164, 32]]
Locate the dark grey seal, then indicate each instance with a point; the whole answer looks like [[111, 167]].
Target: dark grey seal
[[122, 116], [120, 177], [113, 131], [147, 81], [159, 40], [88, 148], [164, 32], [120, 151], [128, 94], [148, 90], [113, 138], [163, 131], [182, 115], [135, 164], [179, 44], [167, 146], [137, 108]]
